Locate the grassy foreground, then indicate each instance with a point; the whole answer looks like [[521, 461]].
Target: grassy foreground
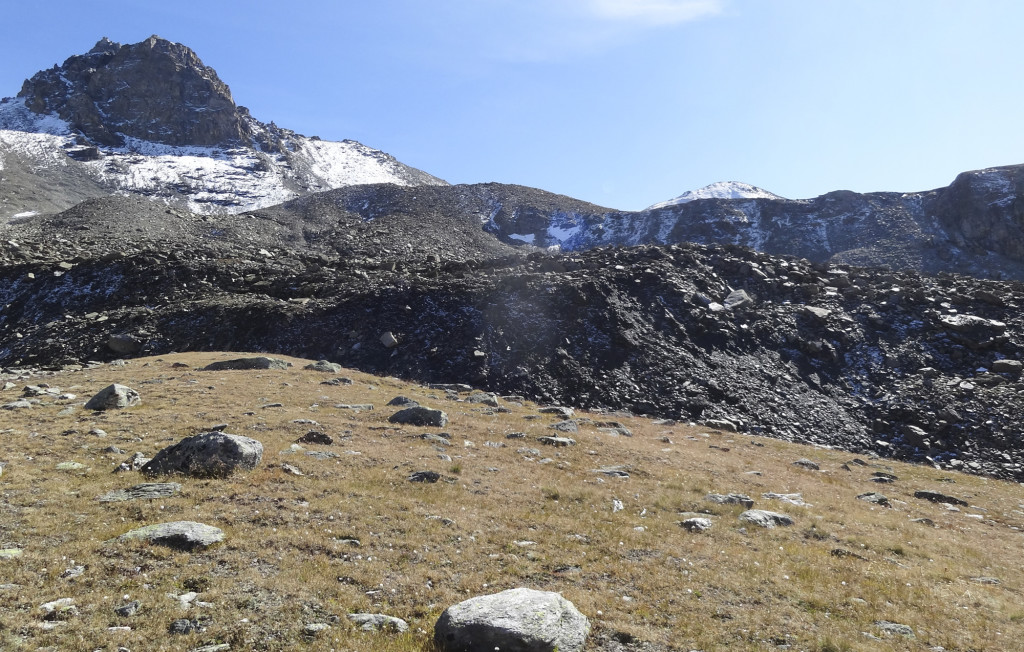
[[354, 535]]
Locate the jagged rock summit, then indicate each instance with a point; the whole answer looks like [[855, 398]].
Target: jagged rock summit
[[155, 91], [150, 118]]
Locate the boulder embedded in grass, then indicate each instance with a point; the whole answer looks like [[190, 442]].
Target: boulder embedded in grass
[[420, 416], [113, 397], [209, 454], [261, 362], [517, 620]]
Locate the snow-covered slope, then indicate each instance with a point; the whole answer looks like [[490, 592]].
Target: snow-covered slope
[[205, 179], [62, 140], [719, 190]]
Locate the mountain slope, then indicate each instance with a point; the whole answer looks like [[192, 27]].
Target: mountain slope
[[151, 119], [973, 226]]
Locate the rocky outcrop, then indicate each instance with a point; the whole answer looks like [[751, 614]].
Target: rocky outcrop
[[155, 91]]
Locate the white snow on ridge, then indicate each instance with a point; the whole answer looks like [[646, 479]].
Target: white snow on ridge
[[207, 179], [719, 190]]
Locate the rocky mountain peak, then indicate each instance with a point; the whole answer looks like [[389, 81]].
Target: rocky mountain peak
[[155, 91]]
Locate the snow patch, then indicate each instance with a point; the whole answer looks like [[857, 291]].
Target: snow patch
[[719, 190]]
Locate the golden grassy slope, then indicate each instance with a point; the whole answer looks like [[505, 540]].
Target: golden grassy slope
[[285, 562]]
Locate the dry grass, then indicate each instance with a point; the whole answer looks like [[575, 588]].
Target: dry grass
[[423, 547]]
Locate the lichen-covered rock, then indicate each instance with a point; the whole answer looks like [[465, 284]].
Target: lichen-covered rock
[[517, 620]]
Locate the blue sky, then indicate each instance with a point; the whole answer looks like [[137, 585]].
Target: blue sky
[[623, 103]]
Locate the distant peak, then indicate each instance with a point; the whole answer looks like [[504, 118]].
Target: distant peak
[[104, 46], [720, 190]]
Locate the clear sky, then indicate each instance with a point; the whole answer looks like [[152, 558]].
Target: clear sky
[[623, 103]]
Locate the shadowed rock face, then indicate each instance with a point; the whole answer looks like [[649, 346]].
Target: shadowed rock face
[[155, 91]]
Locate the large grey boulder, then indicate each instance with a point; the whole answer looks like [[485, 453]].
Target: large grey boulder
[[209, 454], [517, 620], [261, 362], [114, 397], [420, 416], [187, 535]]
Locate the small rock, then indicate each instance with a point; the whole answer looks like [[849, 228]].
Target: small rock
[[389, 340], [765, 519], [128, 610], [133, 463], [425, 476], [291, 470], [314, 629], [807, 464], [315, 437], [564, 412], [556, 441], [62, 609], [403, 401], [696, 524], [324, 366], [70, 466], [792, 499], [876, 498], [566, 426], [895, 629], [730, 499], [483, 398], [370, 622]]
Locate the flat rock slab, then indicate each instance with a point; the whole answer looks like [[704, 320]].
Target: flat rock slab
[[936, 497], [875, 497], [371, 622], [517, 620], [420, 416], [730, 499], [557, 441], [187, 535], [325, 366], [247, 363], [114, 397], [145, 491], [209, 454], [765, 519]]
